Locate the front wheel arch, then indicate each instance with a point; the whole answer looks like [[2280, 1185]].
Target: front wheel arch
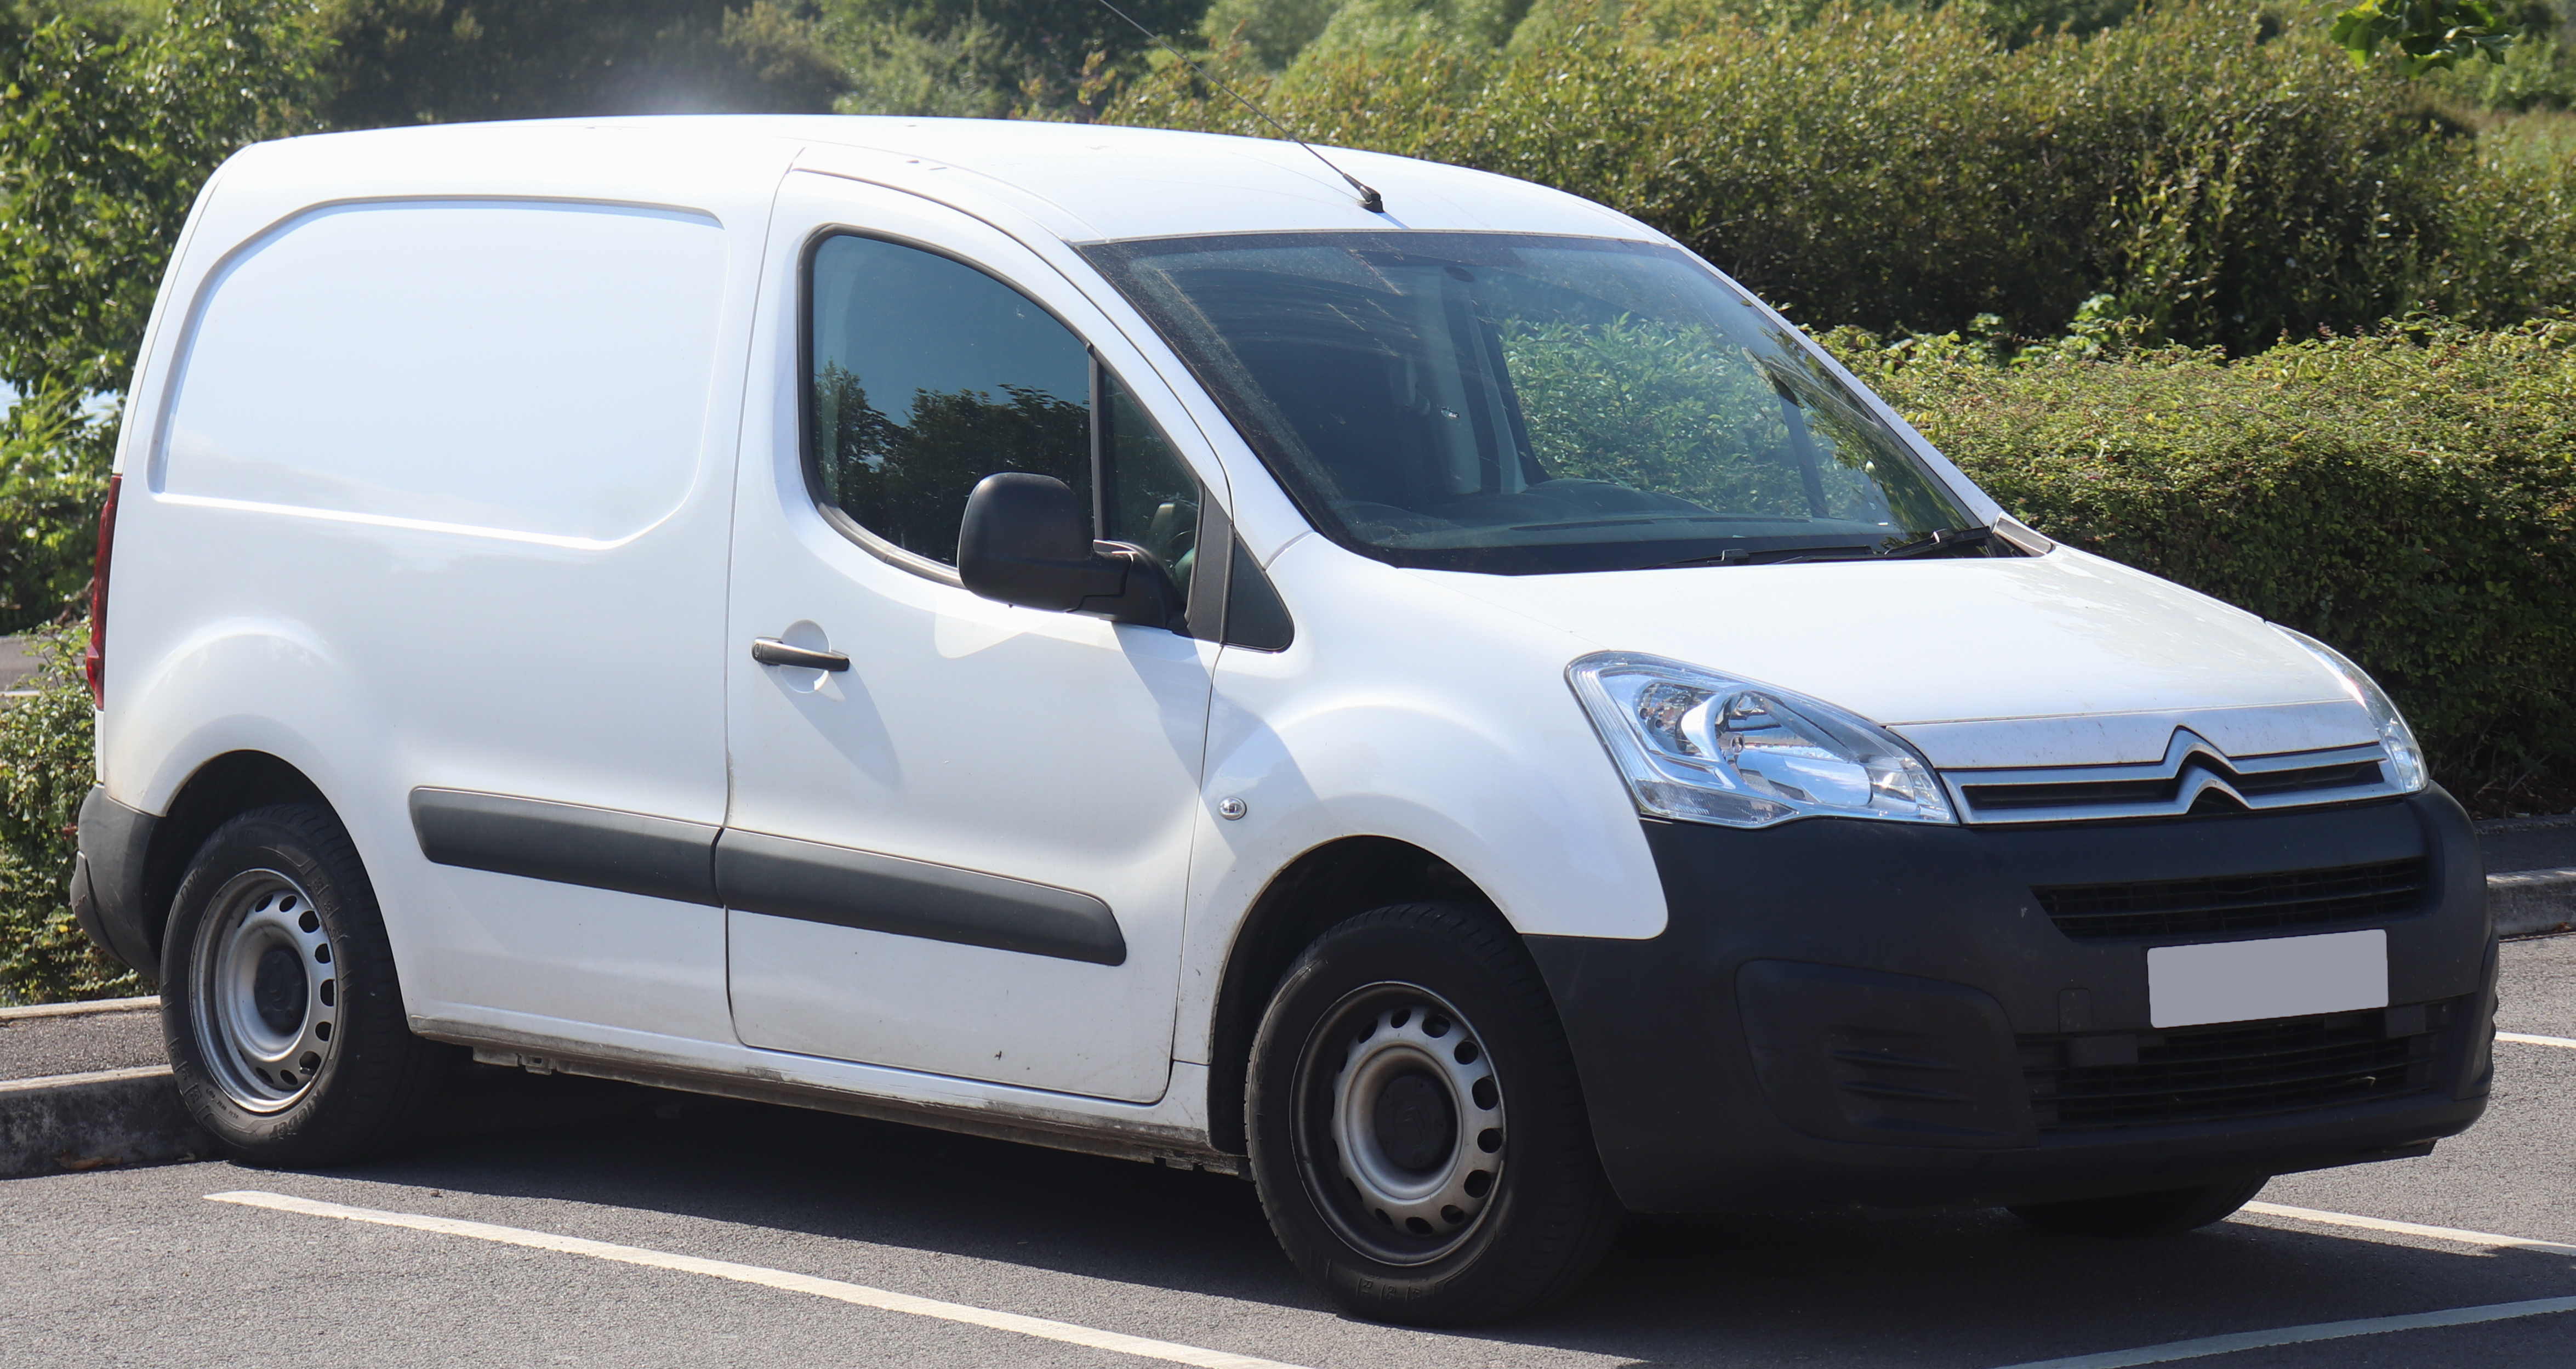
[[1324, 886]]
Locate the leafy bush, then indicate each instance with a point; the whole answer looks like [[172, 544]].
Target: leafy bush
[[44, 774], [53, 473], [104, 139], [2219, 177], [436, 61], [2408, 495]]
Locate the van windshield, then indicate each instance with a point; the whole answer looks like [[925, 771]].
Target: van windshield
[[1516, 404]]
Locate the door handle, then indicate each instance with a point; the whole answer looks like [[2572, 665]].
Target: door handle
[[771, 651]]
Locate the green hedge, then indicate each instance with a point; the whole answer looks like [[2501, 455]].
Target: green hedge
[[2408, 495], [2222, 174], [44, 774]]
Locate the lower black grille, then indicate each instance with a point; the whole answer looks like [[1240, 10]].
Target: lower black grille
[[2235, 903], [2240, 1070]]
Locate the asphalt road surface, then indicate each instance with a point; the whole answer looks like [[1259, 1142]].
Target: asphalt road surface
[[769, 1237]]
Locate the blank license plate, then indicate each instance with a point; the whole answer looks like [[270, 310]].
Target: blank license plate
[[2246, 981]]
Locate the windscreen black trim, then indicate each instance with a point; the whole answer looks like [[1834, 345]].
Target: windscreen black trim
[[844, 887], [567, 843]]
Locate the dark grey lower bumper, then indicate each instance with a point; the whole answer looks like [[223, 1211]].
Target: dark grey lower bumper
[[108, 880], [1877, 1013]]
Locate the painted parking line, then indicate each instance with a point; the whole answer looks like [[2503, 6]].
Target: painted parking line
[[859, 1294], [2302, 1335], [2338, 1330], [2485, 1239], [2527, 1040]]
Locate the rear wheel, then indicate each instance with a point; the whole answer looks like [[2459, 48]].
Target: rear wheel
[[284, 1023], [1416, 1126], [2165, 1212]]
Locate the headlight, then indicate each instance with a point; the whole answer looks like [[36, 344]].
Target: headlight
[[1704, 747], [2405, 758]]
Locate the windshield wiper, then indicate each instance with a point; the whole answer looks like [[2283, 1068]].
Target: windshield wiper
[[1936, 541], [1940, 540], [1769, 556]]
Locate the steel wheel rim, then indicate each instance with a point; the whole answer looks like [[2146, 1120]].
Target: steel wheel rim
[[265, 1000], [1402, 1141]]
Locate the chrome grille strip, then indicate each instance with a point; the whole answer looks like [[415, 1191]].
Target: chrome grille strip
[[2191, 770]]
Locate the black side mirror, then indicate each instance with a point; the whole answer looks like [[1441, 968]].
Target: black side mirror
[[1023, 542]]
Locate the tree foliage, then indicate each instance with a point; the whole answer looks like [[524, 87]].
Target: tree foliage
[[104, 139], [1911, 171], [992, 58], [442, 61], [2424, 35]]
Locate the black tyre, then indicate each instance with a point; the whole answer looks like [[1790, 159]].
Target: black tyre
[[285, 1025], [1416, 1126], [2165, 1212]]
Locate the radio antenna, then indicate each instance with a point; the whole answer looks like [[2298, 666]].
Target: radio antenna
[[1370, 200]]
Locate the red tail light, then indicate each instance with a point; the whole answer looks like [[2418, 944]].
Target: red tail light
[[94, 660]]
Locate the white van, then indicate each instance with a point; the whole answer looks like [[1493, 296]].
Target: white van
[[1094, 636]]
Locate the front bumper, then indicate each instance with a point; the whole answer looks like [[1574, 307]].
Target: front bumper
[[1853, 1012]]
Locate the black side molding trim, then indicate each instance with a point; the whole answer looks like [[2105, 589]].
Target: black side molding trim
[[811, 882], [569, 843]]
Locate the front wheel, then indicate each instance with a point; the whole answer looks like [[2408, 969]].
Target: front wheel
[[1416, 1126], [2165, 1212], [284, 1023]]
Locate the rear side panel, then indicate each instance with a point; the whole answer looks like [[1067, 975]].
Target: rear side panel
[[429, 486]]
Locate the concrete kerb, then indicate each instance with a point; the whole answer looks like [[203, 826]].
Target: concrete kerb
[[69, 1122], [89, 1121], [2531, 884], [90, 1009], [2533, 902]]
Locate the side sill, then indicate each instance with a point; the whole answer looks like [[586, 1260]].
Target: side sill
[[1175, 1147]]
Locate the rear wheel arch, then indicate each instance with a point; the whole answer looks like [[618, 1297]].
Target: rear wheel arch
[[221, 789], [1322, 887]]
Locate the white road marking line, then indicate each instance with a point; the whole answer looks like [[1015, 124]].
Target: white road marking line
[[2436, 1233], [859, 1294], [2301, 1335], [2537, 1040]]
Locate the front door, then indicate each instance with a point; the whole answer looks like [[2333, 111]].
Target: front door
[[965, 851]]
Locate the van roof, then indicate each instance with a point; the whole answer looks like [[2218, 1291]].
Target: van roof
[[1083, 182]]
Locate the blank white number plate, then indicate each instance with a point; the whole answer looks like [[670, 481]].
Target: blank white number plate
[[2246, 981]]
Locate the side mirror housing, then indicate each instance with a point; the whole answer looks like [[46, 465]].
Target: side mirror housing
[[1023, 541]]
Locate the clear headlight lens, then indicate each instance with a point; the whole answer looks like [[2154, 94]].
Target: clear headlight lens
[[1704, 747], [2405, 758]]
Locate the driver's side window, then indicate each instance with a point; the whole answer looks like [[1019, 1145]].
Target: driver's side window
[[924, 375]]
